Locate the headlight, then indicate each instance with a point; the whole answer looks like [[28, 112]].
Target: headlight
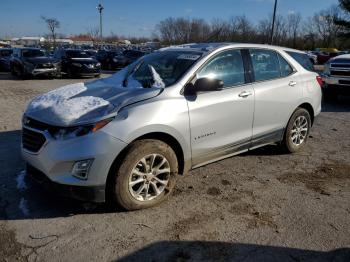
[[115, 60], [98, 64], [72, 132], [77, 64]]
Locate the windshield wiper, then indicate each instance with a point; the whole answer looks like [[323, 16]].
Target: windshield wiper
[[125, 80]]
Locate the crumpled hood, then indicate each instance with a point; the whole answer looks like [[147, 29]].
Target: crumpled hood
[[80, 103]]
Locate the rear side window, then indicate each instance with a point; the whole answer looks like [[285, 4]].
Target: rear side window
[[226, 66], [302, 59], [265, 64]]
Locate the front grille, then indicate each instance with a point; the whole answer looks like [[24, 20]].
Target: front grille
[[31, 140], [340, 73], [30, 122], [341, 65], [35, 124], [344, 82]]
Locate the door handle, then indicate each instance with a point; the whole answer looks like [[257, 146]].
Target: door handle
[[245, 94], [292, 83]]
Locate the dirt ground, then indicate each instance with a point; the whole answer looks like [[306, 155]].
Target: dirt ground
[[259, 206]]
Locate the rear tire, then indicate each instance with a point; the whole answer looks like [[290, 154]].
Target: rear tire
[[297, 131], [146, 176]]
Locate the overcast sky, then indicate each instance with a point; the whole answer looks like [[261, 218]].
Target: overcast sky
[[134, 17]]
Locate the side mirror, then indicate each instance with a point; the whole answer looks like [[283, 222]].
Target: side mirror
[[204, 85]]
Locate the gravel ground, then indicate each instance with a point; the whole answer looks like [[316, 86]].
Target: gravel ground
[[261, 205]]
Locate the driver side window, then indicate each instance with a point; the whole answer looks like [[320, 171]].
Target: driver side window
[[226, 66]]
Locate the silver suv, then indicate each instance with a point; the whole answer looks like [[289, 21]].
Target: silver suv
[[126, 137]]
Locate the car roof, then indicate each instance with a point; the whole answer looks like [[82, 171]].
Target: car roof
[[29, 48], [209, 47]]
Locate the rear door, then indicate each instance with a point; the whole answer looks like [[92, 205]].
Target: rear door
[[221, 121], [277, 92]]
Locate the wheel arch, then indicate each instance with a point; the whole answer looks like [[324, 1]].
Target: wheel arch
[[161, 136], [308, 107]]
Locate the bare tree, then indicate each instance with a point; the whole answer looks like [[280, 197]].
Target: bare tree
[[219, 31], [52, 24], [93, 33], [264, 30], [293, 24], [324, 23], [319, 30], [182, 30]]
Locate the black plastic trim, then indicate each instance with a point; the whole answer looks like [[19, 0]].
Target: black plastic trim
[[94, 194]]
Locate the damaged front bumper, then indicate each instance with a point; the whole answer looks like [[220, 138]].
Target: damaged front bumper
[[53, 164], [32, 69]]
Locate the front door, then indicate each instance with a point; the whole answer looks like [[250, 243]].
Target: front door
[[221, 121]]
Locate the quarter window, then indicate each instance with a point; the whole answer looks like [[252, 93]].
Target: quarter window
[[226, 66], [285, 67], [265, 64], [302, 59]]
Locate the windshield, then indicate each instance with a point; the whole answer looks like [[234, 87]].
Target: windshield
[[33, 53], [169, 65], [77, 54], [5, 52], [133, 53]]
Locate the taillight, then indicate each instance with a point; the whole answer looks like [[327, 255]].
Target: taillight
[[319, 80]]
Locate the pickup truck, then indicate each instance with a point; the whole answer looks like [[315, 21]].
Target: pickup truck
[[336, 77]]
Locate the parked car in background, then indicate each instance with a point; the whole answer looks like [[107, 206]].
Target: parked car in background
[[336, 77], [127, 57], [107, 57], [324, 54], [91, 52], [78, 63], [343, 52], [126, 138], [312, 57], [5, 55], [26, 62]]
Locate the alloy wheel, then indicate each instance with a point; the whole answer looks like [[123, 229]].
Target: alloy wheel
[[149, 177], [299, 130]]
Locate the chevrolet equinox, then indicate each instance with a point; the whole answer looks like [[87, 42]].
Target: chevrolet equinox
[[125, 138]]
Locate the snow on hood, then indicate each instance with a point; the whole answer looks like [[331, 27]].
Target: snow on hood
[[55, 97], [64, 105], [83, 103]]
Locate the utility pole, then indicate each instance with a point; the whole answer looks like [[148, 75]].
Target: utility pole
[[273, 22], [100, 8]]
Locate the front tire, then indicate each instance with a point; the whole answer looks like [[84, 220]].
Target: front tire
[[297, 131], [146, 176]]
